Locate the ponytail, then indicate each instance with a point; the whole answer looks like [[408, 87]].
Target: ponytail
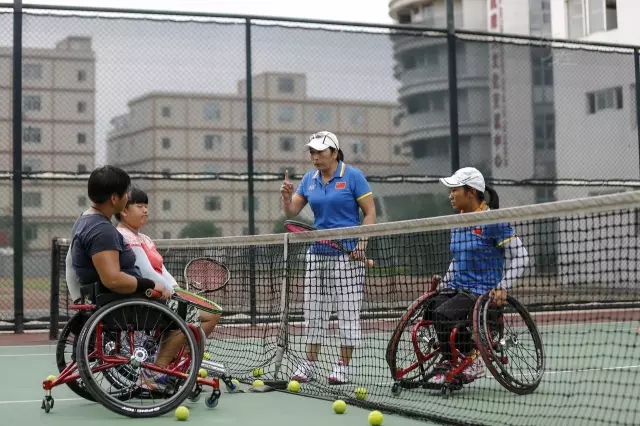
[[494, 201], [340, 155]]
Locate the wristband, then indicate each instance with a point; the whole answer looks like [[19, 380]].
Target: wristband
[[144, 284]]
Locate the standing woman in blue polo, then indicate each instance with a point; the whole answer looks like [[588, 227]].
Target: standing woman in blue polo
[[484, 258], [336, 192]]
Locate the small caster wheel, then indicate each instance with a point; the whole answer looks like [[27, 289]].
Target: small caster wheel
[[446, 392], [194, 395], [396, 389], [231, 386], [46, 405], [51, 401], [211, 402]]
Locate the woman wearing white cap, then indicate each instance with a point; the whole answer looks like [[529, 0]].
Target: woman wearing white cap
[[336, 193], [478, 265]]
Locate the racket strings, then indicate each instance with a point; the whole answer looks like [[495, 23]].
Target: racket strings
[[205, 275]]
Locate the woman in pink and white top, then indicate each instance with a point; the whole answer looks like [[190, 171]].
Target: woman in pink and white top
[[151, 265]]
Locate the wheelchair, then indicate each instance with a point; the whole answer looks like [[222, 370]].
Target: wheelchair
[[413, 352], [111, 337]]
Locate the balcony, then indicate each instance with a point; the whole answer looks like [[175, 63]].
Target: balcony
[[436, 124]]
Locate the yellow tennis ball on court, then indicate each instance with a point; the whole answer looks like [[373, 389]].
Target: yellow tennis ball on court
[[361, 393], [236, 382], [257, 383], [203, 373], [206, 356], [293, 386], [182, 413], [339, 406], [51, 378], [375, 418], [258, 372]]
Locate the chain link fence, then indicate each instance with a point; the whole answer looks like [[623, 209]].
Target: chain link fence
[[165, 97]]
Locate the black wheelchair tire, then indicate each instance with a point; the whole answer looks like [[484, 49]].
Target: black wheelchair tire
[[121, 407], [76, 322]]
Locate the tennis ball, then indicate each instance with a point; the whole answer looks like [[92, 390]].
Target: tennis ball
[[257, 372], [236, 381], [51, 378], [339, 406], [206, 356], [182, 413], [257, 383], [293, 386], [361, 393], [203, 373], [375, 418]]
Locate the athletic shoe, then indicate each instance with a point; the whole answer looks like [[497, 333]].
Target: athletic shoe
[[305, 371], [340, 374], [474, 371], [152, 381]]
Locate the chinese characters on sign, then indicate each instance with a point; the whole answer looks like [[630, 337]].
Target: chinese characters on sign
[[498, 110]]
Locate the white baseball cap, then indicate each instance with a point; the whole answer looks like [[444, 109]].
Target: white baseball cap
[[469, 176], [323, 140]]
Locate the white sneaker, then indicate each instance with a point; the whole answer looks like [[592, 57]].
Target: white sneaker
[[474, 371], [305, 371], [440, 376], [340, 374]]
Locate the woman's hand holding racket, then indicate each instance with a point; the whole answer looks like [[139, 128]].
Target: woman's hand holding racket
[[162, 292], [357, 254]]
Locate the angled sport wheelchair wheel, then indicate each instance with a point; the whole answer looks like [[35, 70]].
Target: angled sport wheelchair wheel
[[128, 320], [65, 352], [509, 343], [413, 349]]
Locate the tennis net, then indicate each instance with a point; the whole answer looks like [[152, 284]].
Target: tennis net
[[580, 285]]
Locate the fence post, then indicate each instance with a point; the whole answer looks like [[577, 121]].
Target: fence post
[[250, 188], [55, 290], [453, 88], [18, 247], [636, 66]]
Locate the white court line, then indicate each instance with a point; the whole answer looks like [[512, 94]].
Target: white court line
[[33, 401], [21, 355], [584, 370]]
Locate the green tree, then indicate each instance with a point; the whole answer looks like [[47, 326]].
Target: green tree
[[278, 227], [200, 229]]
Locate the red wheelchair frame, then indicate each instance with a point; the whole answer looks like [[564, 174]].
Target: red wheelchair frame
[[486, 345], [177, 368]]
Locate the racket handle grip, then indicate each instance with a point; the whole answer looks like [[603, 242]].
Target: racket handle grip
[[152, 294]]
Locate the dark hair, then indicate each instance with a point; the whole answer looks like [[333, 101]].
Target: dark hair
[[493, 202], [136, 196], [340, 154], [106, 181]]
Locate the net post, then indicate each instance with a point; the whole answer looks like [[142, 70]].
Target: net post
[[55, 290], [283, 329], [18, 246]]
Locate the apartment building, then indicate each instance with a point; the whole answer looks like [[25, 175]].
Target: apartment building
[[58, 134], [206, 133]]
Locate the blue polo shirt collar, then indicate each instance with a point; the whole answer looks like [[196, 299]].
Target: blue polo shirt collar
[[338, 174]]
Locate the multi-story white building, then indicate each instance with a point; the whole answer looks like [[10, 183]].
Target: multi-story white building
[[205, 133], [57, 134]]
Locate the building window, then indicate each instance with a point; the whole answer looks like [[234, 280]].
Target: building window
[[590, 16], [82, 107], [255, 143], [166, 235], [81, 138], [397, 150], [32, 134], [287, 114], [31, 199], [82, 201], [604, 99], [357, 147], [212, 112], [166, 143], [544, 130], [31, 232], [31, 103], [212, 204], [356, 118], [166, 171], [166, 111], [285, 85], [287, 143], [82, 168], [634, 107], [82, 75], [212, 142], [209, 168], [323, 115], [166, 205], [245, 204], [545, 194], [431, 102], [32, 165], [32, 71]]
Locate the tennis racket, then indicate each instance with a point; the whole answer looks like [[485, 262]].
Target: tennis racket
[[191, 299], [295, 226], [205, 275]]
